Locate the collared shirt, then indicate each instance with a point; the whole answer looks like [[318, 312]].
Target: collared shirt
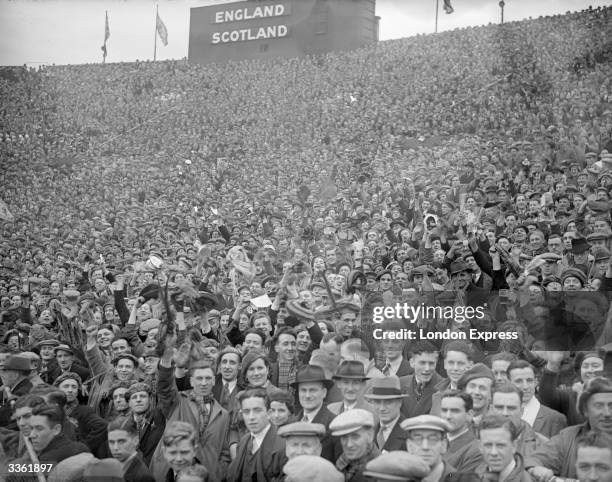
[[453, 437], [503, 475], [346, 407], [394, 365], [125, 465], [530, 411], [230, 385], [311, 415], [387, 428], [259, 437]]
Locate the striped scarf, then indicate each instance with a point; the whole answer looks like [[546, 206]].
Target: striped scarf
[[204, 405]]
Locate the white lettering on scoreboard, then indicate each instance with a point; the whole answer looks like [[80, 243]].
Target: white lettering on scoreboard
[[253, 33]]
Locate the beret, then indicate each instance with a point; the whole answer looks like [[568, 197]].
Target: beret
[[397, 465], [303, 429], [68, 376], [479, 370], [426, 422], [306, 468], [574, 272], [351, 421]]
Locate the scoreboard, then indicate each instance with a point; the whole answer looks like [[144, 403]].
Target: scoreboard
[[279, 28]]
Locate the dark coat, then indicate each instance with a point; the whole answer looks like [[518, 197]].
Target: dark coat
[[22, 387], [60, 448], [397, 438], [464, 453], [563, 401], [413, 405], [152, 434], [90, 429], [137, 471], [53, 371], [218, 390], [272, 449], [331, 449]]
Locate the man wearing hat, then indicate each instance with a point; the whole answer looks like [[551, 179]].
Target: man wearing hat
[[426, 438], [302, 438], [351, 381], [558, 455], [312, 385], [397, 466], [355, 428], [15, 375], [48, 365], [386, 397], [306, 468], [64, 356]]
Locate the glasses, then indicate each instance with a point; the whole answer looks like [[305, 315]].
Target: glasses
[[431, 439]]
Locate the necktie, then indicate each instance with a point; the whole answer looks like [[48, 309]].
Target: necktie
[[305, 418], [419, 389], [386, 370], [225, 394], [251, 445], [380, 439]]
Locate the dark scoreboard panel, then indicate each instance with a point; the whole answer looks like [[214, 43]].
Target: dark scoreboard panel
[[280, 28]]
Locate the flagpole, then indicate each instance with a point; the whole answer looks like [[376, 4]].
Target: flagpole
[[437, 8], [155, 33], [104, 50]]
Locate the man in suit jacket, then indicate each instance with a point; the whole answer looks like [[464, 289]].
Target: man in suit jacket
[[463, 451], [395, 363], [351, 381], [542, 419], [420, 386], [312, 385], [386, 398], [259, 450], [226, 385]]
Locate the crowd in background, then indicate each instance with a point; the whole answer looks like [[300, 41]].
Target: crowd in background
[[194, 261]]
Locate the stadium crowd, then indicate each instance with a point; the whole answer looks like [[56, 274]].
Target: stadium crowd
[[206, 271]]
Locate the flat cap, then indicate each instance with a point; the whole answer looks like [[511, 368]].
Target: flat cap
[[306, 468], [351, 421], [426, 422], [303, 429], [551, 257], [66, 348], [479, 370], [18, 363], [397, 465]]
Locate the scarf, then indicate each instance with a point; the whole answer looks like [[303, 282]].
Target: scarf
[[350, 468], [287, 372], [204, 405]]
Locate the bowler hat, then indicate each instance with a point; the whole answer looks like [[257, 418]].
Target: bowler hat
[[580, 245], [311, 373]]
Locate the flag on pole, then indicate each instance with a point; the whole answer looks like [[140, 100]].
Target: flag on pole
[[162, 31], [448, 8], [106, 29], [106, 36]]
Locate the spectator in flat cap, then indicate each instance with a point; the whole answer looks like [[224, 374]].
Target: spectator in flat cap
[[397, 466], [478, 383], [558, 456], [301, 438], [89, 427], [355, 428], [305, 468], [498, 445], [66, 362], [15, 379], [426, 438], [386, 398], [458, 358]]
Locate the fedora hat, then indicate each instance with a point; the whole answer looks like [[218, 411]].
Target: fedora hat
[[311, 374], [580, 245], [351, 369], [385, 388]]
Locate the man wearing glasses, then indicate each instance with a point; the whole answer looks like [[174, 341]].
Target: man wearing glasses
[[427, 439]]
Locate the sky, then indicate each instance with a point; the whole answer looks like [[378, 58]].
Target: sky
[[38, 32]]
